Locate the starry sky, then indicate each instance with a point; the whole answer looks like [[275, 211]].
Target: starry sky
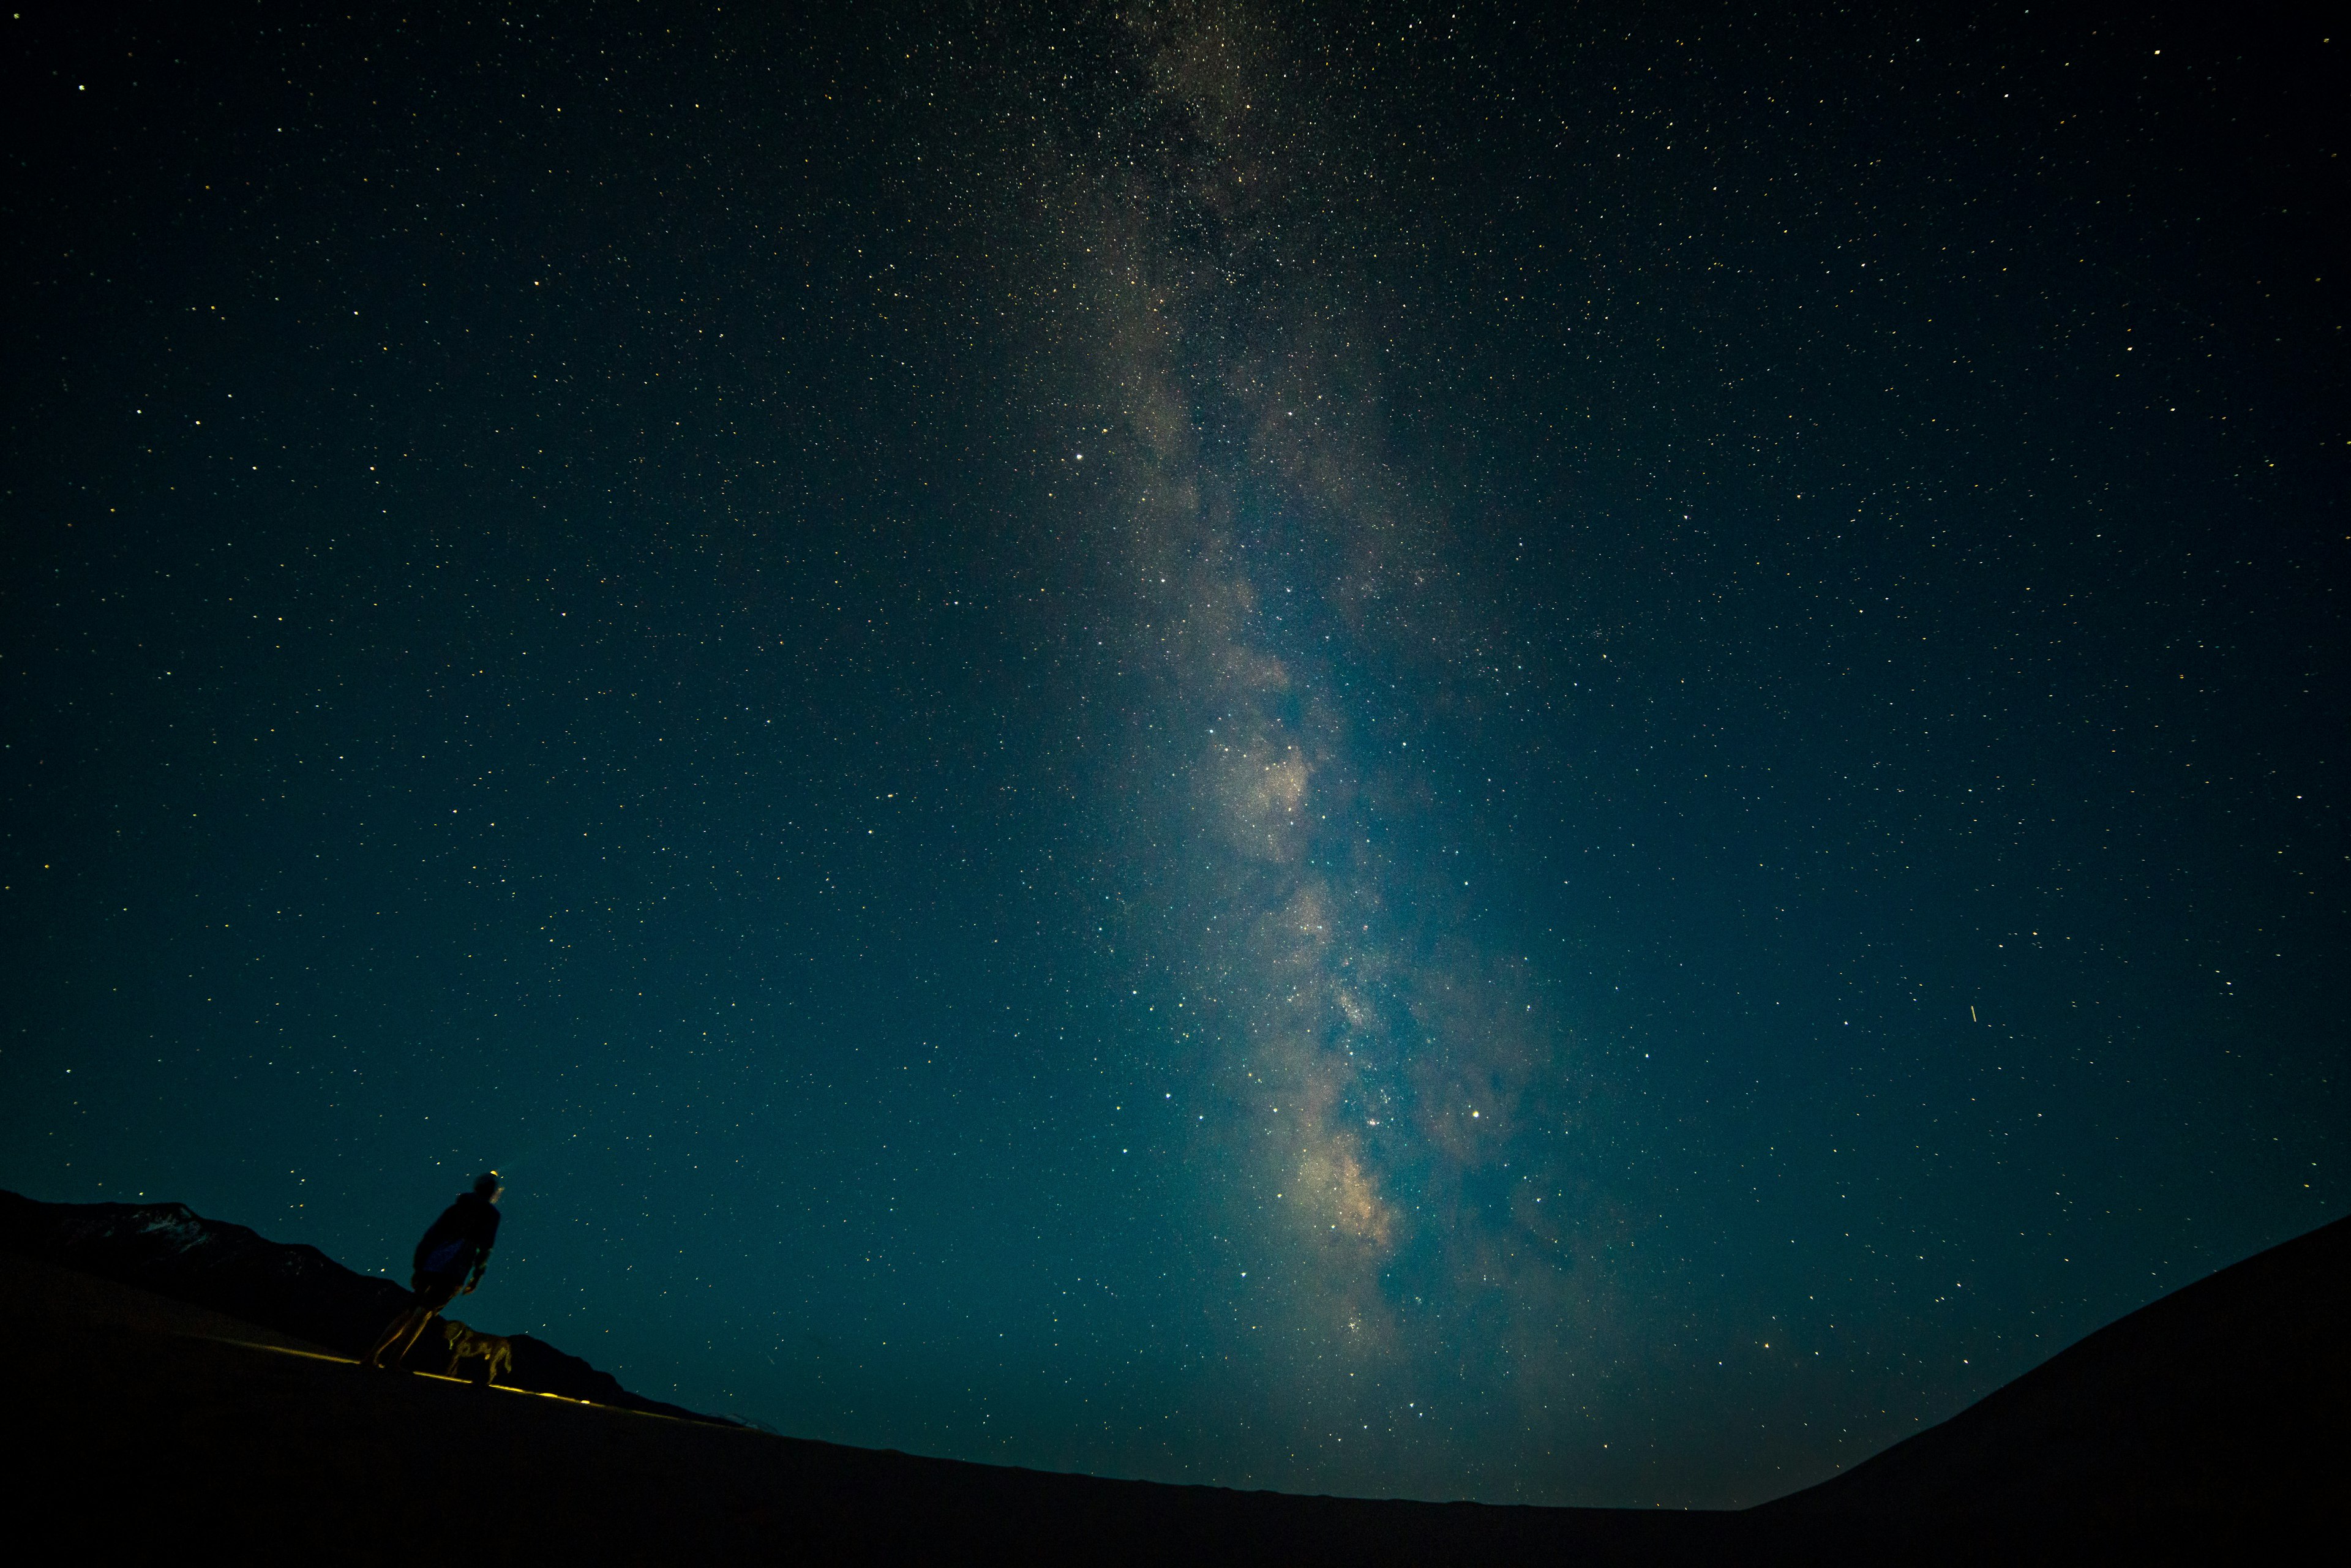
[[1554, 757]]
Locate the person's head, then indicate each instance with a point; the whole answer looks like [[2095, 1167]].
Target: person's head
[[487, 1187]]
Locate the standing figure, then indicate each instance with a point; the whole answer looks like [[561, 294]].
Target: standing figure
[[448, 1262]]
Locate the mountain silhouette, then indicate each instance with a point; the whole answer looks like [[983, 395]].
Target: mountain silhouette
[[2233, 1393], [175, 1385], [169, 1248]]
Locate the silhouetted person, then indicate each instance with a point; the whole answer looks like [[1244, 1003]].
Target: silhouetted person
[[448, 1262]]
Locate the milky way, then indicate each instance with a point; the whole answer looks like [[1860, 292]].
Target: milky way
[[1399, 1129]]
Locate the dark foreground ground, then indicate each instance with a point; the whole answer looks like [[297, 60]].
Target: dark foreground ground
[[2210, 1425]]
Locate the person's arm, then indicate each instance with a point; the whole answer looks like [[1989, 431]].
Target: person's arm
[[481, 1262]]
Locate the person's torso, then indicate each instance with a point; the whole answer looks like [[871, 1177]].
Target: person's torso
[[467, 1229]]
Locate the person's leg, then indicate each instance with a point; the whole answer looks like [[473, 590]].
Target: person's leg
[[424, 1315], [400, 1328]]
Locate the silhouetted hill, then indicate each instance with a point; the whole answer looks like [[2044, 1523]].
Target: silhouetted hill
[[164, 1399], [169, 1248], [2231, 1393], [143, 1428]]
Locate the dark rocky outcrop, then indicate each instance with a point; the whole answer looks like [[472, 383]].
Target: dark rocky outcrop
[[170, 1250]]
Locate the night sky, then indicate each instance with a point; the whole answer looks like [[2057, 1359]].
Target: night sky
[[1572, 759]]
